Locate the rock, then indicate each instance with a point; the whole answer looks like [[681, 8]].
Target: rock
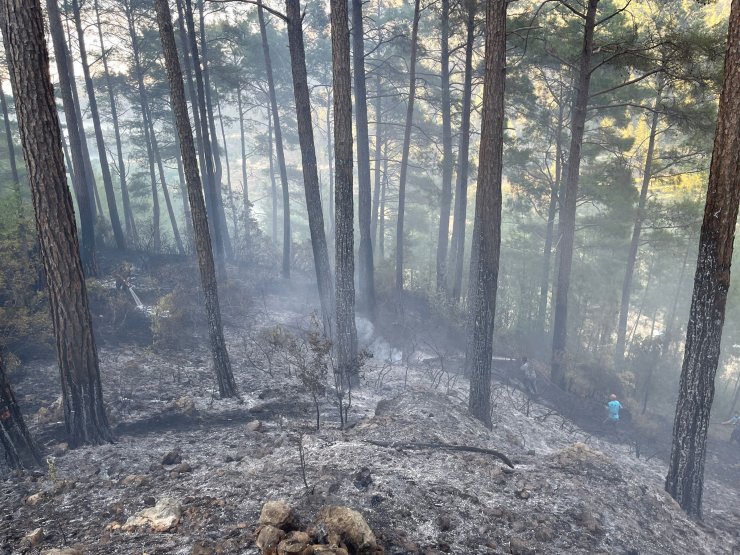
[[544, 534], [35, 499], [184, 405], [362, 479], [60, 449], [164, 516], [269, 538], [182, 468], [33, 538], [295, 542], [254, 426], [173, 457], [202, 548], [135, 480], [278, 514], [350, 526], [518, 546]]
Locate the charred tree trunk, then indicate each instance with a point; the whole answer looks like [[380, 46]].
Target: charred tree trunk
[[82, 395], [446, 198], [130, 224], [634, 244], [273, 183], [378, 152], [232, 205], [330, 157], [184, 194], [278, 142], [405, 155], [381, 217], [226, 383], [245, 181], [685, 479], [310, 169], [365, 266], [567, 221], [200, 99], [20, 449], [9, 138], [551, 212], [457, 246], [81, 184], [488, 213], [110, 195], [346, 337]]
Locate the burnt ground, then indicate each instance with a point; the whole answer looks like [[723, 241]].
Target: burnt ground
[[573, 489]]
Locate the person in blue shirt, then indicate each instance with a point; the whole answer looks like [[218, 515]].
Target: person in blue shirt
[[614, 407]]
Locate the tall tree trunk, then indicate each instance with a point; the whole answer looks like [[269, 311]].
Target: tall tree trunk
[[405, 155], [20, 449], [330, 157], [163, 182], [551, 212], [685, 479], [278, 141], [183, 193], [344, 247], [567, 221], [384, 188], [310, 170], [100, 141], [635, 244], [200, 99], [146, 126], [457, 246], [218, 169], [232, 205], [446, 198], [488, 213], [378, 152], [81, 184], [222, 363], [41, 137], [9, 138], [245, 180], [273, 184], [130, 224], [365, 266]]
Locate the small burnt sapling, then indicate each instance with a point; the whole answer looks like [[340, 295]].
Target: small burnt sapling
[[20, 449]]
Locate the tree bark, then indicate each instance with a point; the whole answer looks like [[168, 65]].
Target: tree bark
[[20, 449], [457, 247], [232, 205], [635, 244], [567, 221], [365, 266], [80, 183], [446, 197], [130, 224], [310, 169], [23, 35], [278, 142], [685, 479], [110, 195], [330, 157], [378, 152], [405, 155], [273, 183], [9, 138], [488, 213], [346, 338], [245, 179], [222, 363], [200, 99], [381, 217]]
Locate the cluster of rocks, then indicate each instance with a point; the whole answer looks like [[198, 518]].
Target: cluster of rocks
[[335, 531]]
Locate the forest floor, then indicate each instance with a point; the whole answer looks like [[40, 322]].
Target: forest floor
[[571, 490]]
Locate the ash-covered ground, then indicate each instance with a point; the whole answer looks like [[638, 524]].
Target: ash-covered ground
[[219, 461]]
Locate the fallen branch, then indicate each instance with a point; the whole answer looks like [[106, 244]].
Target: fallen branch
[[443, 447]]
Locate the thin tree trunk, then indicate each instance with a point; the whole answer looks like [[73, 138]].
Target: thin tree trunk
[[635, 244], [20, 449], [278, 142], [218, 169], [143, 101], [457, 246], [446, 197], [310, 170], [222, 363], [384, 187], [9, 138], [685, 479], [378, 152], [488, 213], [273, 184], [232, 205], [245, 180], [41, 137], [81, 184], [100, 141], [551, 212], [131, 232], [330, 157], [365, 266], [344, 250], [200, 99], [183, 194], [405, 155], [567, 222]]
